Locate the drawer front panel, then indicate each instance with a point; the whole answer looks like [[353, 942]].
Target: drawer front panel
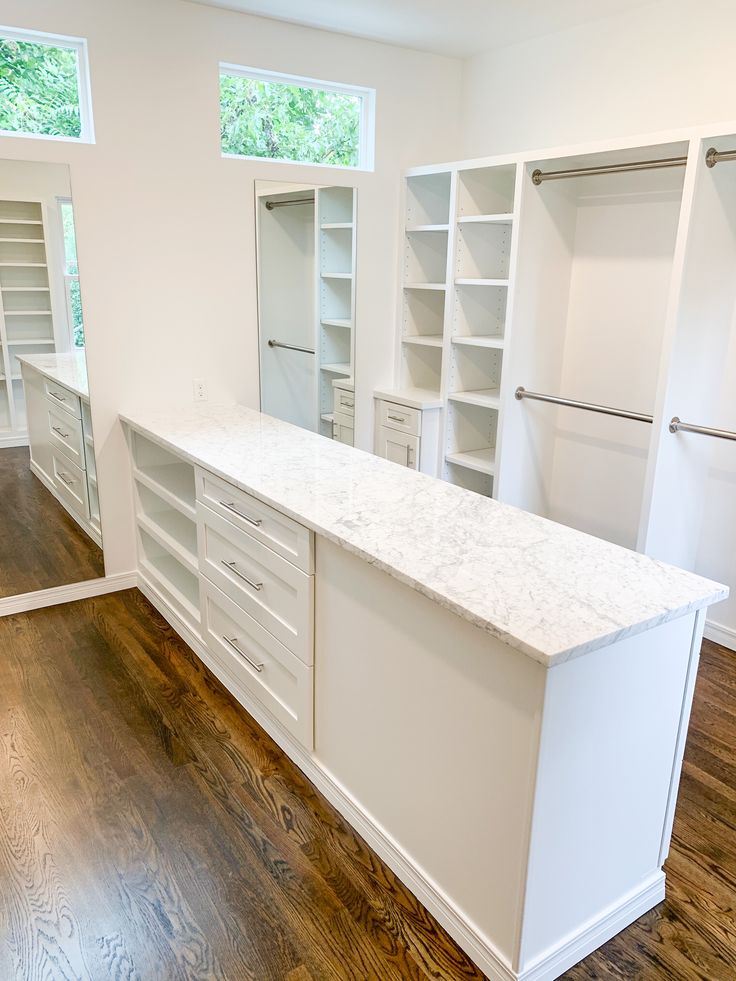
[[273, 591], [65, 434], [253, 659], [342, 429], [287, 538], [400, 417], [62, 398], [344, 402], [71, 485]]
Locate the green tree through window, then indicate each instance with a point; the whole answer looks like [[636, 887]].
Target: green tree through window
[[287, 122], [39, 91]]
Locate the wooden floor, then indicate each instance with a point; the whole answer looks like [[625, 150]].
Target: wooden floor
[[150, 830], [40, 544]]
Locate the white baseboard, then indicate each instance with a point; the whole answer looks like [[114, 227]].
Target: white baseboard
[[24, 602], [719, 633], [594, 934], [7, 441]]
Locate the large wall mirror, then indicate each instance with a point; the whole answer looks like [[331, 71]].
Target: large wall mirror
[[49, 507], [306, 254]]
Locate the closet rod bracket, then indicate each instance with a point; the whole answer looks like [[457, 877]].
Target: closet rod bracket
[[678, 426], [714, 156]]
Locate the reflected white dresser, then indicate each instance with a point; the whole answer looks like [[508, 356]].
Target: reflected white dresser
[[60, 433], [496, 702]]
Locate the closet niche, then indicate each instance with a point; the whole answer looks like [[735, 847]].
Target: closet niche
[[306, 263], [593, 286]]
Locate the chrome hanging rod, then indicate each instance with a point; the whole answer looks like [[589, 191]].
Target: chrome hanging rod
[[714, 156], [677, 426], [623, 168], [606, 410], [290, 347], [270, 205]]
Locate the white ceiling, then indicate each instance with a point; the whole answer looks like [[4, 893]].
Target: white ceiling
[[451, 27]]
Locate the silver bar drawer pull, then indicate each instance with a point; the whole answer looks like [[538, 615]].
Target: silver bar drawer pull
[[349, 405], [59, 431], [59, 398], [233, 568], [233, 642], [256, 522], [66, 478], [398, 418]]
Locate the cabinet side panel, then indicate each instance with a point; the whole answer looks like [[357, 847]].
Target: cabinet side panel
[[608, 758], [432, 726]]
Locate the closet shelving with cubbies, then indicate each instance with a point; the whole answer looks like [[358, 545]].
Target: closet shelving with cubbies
[[457, 265], [166, 527], [335, 231], [26, 319]]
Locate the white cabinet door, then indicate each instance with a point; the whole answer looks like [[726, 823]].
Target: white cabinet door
[[342, 429], [401, 448]]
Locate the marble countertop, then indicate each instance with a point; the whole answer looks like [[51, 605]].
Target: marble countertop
[[68, 369], [540, 587]]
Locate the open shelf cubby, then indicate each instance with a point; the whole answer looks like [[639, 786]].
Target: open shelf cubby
[[167, 574], [164, 474], [471, 437], [336, 250], [21, 212], [483, 251], [425, 257], [335, 206], [173, 530], [428, 199], [486, 191], [421, 367], [423, 313], [479, 314], [475, 375], [472, 480]]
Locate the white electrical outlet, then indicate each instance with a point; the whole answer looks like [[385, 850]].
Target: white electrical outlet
[[200, 390]]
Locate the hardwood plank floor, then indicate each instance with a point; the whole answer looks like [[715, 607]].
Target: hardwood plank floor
[[41, 546], [149, 829]]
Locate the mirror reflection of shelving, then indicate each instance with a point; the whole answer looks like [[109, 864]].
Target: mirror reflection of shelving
[[26, 321], [336, 226]]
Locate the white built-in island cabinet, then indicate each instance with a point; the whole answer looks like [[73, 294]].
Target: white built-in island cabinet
[[496, 702]]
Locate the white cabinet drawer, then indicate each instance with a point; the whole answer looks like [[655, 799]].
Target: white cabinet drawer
[[63, 398], [400, 417], [344, 402], [253, 660], [273, 591], [398, 447], [65, 434], [286, 537], [71, 485]]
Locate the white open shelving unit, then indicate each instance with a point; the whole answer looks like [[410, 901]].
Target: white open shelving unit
[[456, 277], [335, 227], [26, 317], [166, 527]]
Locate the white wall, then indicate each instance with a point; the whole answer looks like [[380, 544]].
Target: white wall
[[664, 66], [165, 226]]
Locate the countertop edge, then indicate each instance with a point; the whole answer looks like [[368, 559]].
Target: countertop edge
[[52, 377]]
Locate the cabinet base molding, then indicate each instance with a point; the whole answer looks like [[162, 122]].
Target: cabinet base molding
[[24, 602], [719, 633], [478, 947], [597, 932]]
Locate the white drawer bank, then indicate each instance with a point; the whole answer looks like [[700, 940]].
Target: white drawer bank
[[60, 438], [497, 703]]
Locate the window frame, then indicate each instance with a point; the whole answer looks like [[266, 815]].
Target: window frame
[[366, 126], [84, 91]]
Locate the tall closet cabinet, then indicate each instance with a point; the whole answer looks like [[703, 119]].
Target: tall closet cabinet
[[562, 308]]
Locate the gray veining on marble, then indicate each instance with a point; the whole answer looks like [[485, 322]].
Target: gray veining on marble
[[541, 587], [68, 369]]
